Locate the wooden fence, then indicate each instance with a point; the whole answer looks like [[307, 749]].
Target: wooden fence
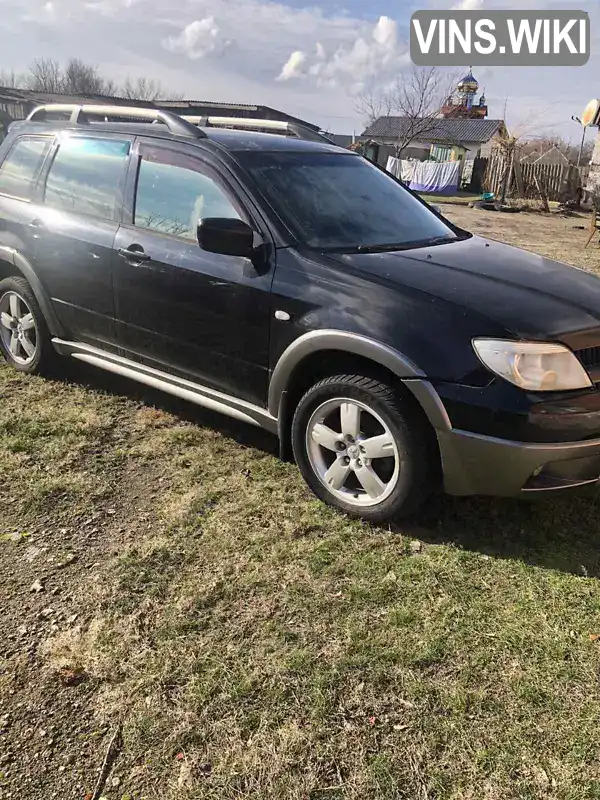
[[526, 180]]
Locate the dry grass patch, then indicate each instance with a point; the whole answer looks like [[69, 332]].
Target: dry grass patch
[[256, 644], [302, 655], [50, 434], [551, 235]]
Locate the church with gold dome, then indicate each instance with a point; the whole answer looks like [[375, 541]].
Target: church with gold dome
[[460, 131], [463, 104]]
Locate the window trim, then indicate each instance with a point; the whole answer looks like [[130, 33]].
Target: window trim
[[35, 184], [202, 166], [121, 188]]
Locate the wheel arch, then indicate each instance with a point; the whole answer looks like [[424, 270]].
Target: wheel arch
[[13, 264], [321, 353]]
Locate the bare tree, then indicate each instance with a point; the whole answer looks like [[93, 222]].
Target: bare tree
[[10, 79], [146, 89], [111, 88], [540, 145], [572, 151], [79, 78], [373, 103], [82, 78], [416, 97], [510, 145], [586, 153], [45, 75]]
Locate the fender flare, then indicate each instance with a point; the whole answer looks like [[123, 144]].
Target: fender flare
[[357, 344], [12, 256]]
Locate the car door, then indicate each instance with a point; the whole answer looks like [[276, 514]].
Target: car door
[[74, 230], [200, 315]]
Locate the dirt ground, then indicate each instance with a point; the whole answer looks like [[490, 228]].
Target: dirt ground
[[180, 618], [551, 235]]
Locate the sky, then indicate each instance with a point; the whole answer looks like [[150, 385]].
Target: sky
[[309, 58]]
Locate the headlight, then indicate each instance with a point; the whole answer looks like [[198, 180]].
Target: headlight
[[534, 366]]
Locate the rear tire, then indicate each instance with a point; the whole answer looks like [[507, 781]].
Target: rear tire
[[24, 336], [362, 448]]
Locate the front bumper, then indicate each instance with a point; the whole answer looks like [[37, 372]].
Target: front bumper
[[477, 464]]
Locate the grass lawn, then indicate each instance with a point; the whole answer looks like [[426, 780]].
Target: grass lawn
[[254, 644], [461, 199]]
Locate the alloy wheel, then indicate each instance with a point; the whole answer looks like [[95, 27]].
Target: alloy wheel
[[18, 330], [353, 452]]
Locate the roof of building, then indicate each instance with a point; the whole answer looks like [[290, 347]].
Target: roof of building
[[209, 107], [552, 156], [530, 158], [205, 108], [442, 130], [28, 96], [218, 103], [31, 94], [341, 139]]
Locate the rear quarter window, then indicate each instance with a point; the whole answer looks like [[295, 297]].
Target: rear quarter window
[[20, 169]]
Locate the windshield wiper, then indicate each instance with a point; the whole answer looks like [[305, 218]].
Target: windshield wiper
[[382, 248]]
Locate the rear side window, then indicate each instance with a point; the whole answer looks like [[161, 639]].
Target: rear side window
[[174, 194], [87, 176], [21, 167]]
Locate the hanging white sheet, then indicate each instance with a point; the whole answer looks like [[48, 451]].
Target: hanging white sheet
[[436, 177]]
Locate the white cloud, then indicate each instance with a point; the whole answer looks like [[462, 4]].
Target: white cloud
[[47, 13], [340, 49], [153, 38], [109, 8], [468, 5], [196, 40], [375, 53], [386, 33], [292, 67]]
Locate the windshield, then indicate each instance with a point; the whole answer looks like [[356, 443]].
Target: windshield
[[338, 201]]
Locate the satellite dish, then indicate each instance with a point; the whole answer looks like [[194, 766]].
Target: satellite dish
[[591, 115]]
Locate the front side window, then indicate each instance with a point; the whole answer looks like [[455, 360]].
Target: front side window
[[87, 175], [174, 194], [341, 201], [21, 167]]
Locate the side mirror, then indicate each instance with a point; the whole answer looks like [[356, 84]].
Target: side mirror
[[228, 237], [437, 209]]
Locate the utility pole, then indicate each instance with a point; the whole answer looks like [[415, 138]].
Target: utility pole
[[576, 119]]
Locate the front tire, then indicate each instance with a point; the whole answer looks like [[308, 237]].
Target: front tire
[[24, 336], [361, 448]]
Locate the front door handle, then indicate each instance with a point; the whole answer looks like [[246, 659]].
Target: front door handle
[[133, 254]]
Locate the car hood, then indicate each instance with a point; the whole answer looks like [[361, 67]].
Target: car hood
[[528, 294]]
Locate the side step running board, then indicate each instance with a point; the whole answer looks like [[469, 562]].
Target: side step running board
[[186, 390]]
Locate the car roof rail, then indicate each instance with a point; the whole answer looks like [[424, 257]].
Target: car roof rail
[[277, 126], [79, 116]]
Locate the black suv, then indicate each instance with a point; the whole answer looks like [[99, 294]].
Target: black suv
[[298, 287]]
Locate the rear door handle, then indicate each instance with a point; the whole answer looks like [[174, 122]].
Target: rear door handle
[[133, 256]]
